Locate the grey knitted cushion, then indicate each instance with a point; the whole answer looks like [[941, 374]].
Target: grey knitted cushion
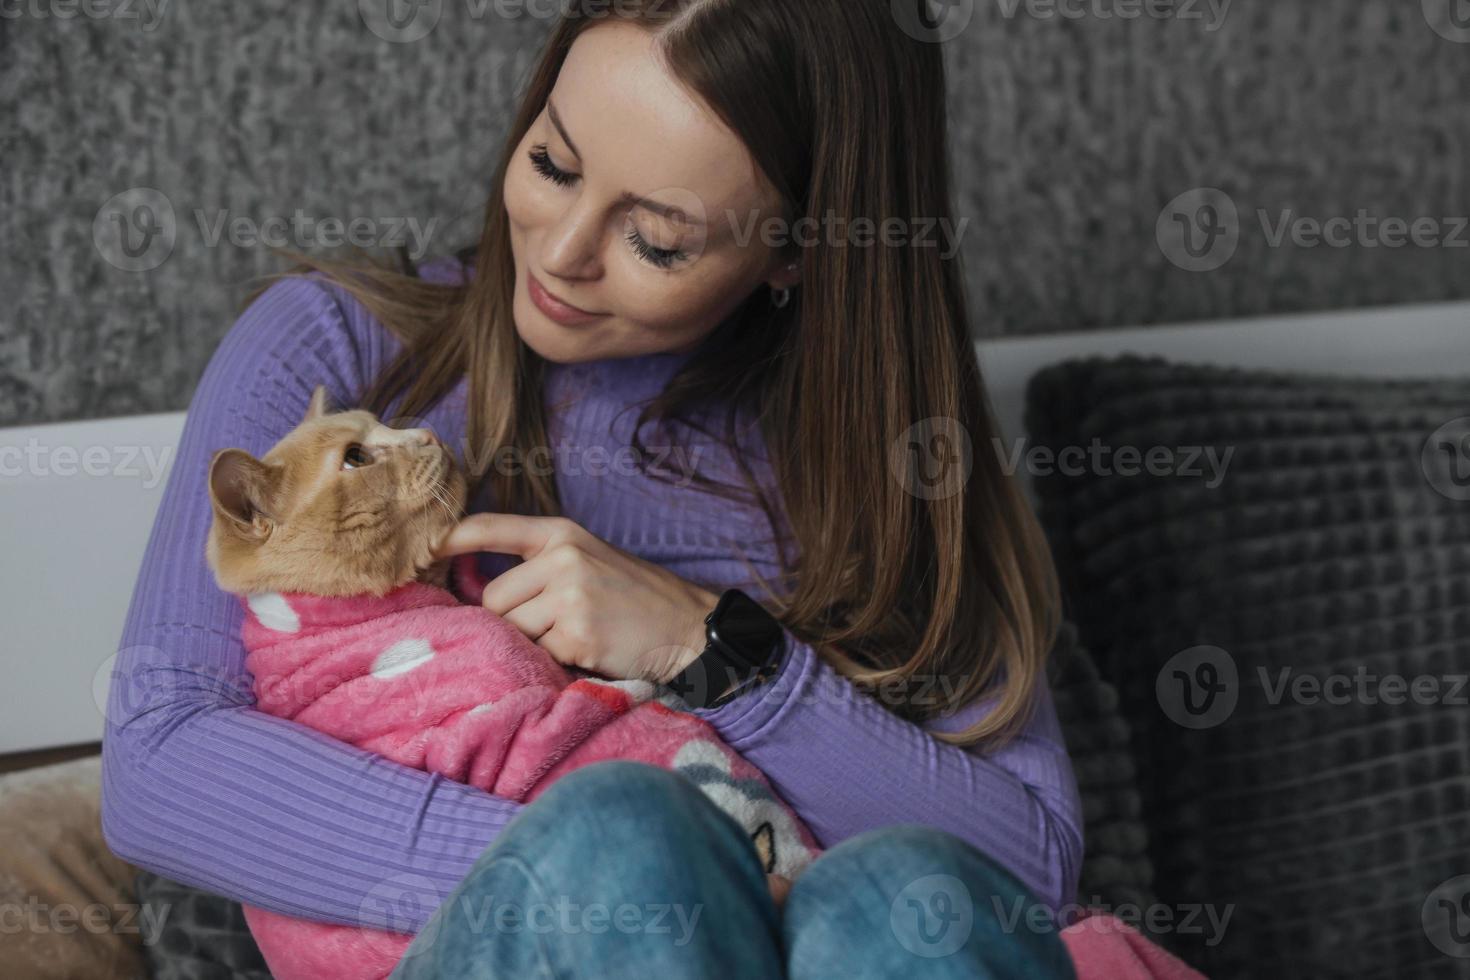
[[1115, 869], [204, 936], [1336, 546]]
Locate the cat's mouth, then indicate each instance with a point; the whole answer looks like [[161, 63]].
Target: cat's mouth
[[444, 486], [442, 507]]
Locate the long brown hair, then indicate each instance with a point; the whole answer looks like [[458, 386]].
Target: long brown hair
[[933, 599]]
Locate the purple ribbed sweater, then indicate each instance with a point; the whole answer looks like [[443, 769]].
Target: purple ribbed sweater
[[201, 788]]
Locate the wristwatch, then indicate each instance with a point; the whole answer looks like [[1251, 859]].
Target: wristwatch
[[743, 643]]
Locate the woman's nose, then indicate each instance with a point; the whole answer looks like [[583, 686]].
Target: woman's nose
[[570, 248]]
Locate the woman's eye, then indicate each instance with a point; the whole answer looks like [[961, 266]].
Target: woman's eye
[[661, 257], [356, 456], [541, 160]]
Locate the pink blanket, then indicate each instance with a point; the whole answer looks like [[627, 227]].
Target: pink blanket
[[1104, 947], [450, 688]]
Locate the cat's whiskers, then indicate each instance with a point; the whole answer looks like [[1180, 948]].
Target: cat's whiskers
[[440, 494]]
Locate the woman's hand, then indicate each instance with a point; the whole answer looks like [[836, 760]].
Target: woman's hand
[[588, 604], [780, 885]]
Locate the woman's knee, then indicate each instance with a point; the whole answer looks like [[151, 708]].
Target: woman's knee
[[911, 851], [620, 855], [606, 805], [621, 790], [615, 782], [931, 896]]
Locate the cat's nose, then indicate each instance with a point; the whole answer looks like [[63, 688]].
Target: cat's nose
[[386, 436]]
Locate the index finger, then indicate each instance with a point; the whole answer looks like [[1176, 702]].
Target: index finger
[[510, 534]]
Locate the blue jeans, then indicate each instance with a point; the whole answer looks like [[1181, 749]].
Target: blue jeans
[[623, 869]]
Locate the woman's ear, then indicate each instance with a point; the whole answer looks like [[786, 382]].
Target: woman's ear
[[242, 491], [786, 276], [319, 405]]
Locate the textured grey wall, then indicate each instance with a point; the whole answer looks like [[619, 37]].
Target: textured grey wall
[[1074, 126]]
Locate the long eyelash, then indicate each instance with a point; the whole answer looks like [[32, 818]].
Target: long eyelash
[[541, 160], [661, 257]]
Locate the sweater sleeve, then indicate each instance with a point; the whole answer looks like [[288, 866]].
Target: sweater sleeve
[[200, 787], [847, 764]]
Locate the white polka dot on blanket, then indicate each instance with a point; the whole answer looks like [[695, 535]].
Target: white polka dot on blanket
[[274, 612], [402, 657]]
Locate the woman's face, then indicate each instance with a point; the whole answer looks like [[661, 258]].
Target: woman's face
[[618, 143]]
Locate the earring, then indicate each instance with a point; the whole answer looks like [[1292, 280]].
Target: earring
[[780, 297]]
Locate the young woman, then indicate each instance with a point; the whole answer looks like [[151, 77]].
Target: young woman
[[673, 270]]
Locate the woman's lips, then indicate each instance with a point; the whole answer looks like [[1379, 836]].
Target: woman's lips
[[564, 313]]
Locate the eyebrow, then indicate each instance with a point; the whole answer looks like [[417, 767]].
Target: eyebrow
[[556, 121], [627, 197]]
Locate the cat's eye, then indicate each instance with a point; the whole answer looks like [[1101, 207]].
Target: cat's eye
[[355, 457]]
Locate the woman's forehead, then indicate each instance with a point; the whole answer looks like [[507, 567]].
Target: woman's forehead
[[635, 128]]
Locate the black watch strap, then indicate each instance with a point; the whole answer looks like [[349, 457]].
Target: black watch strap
[[743, 645]]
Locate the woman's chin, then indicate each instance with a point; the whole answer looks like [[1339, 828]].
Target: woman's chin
[[557, 351], [604, 339], [555, 343]]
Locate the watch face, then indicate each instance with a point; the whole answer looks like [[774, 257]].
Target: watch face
[[745, 628]]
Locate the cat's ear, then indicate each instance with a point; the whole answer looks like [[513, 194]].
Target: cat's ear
[[764, 840], [319, 404], [242, 490]]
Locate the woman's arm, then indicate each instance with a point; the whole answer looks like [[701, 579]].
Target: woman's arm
[[200, 787], [847, 764], [841, 759]]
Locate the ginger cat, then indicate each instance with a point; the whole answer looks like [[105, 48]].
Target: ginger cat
[[377, 500], [351, 629]]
